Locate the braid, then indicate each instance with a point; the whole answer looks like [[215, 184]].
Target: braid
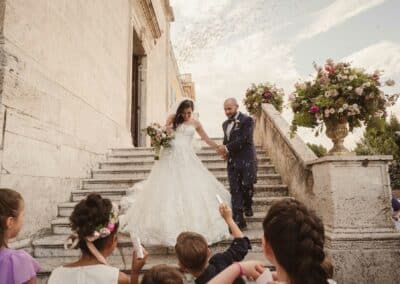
[[296, 236]]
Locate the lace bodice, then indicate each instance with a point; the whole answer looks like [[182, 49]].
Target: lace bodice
[[184, 135]]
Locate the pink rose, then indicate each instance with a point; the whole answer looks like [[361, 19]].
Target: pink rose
[[314, 109], [111, 227]]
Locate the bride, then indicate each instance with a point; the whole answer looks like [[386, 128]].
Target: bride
[[180, 193]]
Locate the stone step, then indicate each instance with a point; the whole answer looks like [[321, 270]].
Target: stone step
[[129, 182], [150, 151], [263, 190], [53, 245], [65, 208], [148, 158], [261, 205], [132, 165], [143, 172]]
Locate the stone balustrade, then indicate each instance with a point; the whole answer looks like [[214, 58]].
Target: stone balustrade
[[350, 193]]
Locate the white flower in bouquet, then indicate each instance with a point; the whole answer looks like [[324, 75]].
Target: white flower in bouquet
[[349, 88], [327, 113], [367, 84], [359, 91], [332, 110], [340, 110], [345, 106]]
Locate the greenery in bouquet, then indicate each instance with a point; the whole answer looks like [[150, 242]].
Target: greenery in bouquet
[[340, 93], [256, 95], [159, 138]]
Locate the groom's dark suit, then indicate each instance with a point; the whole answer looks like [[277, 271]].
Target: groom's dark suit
[[242, 163]]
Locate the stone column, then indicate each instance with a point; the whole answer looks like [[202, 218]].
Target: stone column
[[353, 194]]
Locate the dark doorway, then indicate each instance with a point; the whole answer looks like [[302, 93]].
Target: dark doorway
[[135, 107], [138, 54]]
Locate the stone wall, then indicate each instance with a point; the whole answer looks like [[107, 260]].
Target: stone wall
[[66, 92], [289, 155]]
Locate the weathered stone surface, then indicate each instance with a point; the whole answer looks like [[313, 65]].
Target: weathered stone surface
[[66, 91]]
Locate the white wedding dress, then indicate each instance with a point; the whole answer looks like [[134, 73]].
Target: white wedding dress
[[179, 195]]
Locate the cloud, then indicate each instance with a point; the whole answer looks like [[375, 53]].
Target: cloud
[[230, 69], [335, 14], [384, 55]]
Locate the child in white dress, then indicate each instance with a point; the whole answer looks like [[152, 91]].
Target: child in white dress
[[94, 222]]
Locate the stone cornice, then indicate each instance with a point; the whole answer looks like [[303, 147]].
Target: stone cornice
[[151, 18], [169, 12]]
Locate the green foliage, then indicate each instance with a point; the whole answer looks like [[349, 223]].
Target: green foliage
[[380, 139], [318, 150]]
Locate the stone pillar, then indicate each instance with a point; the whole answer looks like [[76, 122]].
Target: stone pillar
[[354, 202]]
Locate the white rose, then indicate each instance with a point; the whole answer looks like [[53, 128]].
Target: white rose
[[349, 88], [368, 84], [345, 106], [340, 110], [355, 106], [359, 91], [332, 110]]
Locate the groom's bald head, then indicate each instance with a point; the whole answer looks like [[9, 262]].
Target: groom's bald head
[[231, 107], [231, 101]]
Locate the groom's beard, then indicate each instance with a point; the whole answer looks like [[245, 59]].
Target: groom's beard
[[233, 115]]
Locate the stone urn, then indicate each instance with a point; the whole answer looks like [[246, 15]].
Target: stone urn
[[337, 131]]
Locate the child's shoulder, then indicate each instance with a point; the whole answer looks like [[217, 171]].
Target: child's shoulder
[[17, 257]]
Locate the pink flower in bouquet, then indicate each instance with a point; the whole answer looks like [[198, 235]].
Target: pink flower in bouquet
[[267, 95], [330, 69], [111, 227], [314, 109], [376, 75], [329, 62]]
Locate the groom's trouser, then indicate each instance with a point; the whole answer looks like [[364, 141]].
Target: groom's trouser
[[241, 193]]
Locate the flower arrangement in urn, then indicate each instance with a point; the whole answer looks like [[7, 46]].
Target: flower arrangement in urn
[[159, 137], [340, 95], [256, 95]]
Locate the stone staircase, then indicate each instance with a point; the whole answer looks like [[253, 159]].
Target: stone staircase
[[125, 167]]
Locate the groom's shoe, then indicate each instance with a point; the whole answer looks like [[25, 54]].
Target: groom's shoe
[[243, 225], [248, 212]]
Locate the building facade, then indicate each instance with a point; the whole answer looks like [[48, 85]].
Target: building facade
[[77, 78]]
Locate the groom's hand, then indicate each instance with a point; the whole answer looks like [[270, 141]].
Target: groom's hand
[[221, 150]]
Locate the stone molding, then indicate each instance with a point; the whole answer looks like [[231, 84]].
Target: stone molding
[[151, 18]]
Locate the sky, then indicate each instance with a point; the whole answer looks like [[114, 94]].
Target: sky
[[229, 44]]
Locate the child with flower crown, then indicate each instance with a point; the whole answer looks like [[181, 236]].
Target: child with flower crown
[[94, 222]]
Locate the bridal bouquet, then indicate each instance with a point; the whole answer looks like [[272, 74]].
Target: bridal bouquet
[[159, 138], [256, 95]]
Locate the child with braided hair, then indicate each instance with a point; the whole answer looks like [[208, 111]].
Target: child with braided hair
[[293, 242]]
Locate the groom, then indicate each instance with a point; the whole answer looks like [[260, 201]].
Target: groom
[[238, 148]]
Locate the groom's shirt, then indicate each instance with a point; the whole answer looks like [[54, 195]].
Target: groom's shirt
[[230, 125]]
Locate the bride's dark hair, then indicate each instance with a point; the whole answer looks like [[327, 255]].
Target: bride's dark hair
[[178, 119]]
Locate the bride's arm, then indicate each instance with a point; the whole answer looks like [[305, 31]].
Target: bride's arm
[[170, 123], [203, 135]]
